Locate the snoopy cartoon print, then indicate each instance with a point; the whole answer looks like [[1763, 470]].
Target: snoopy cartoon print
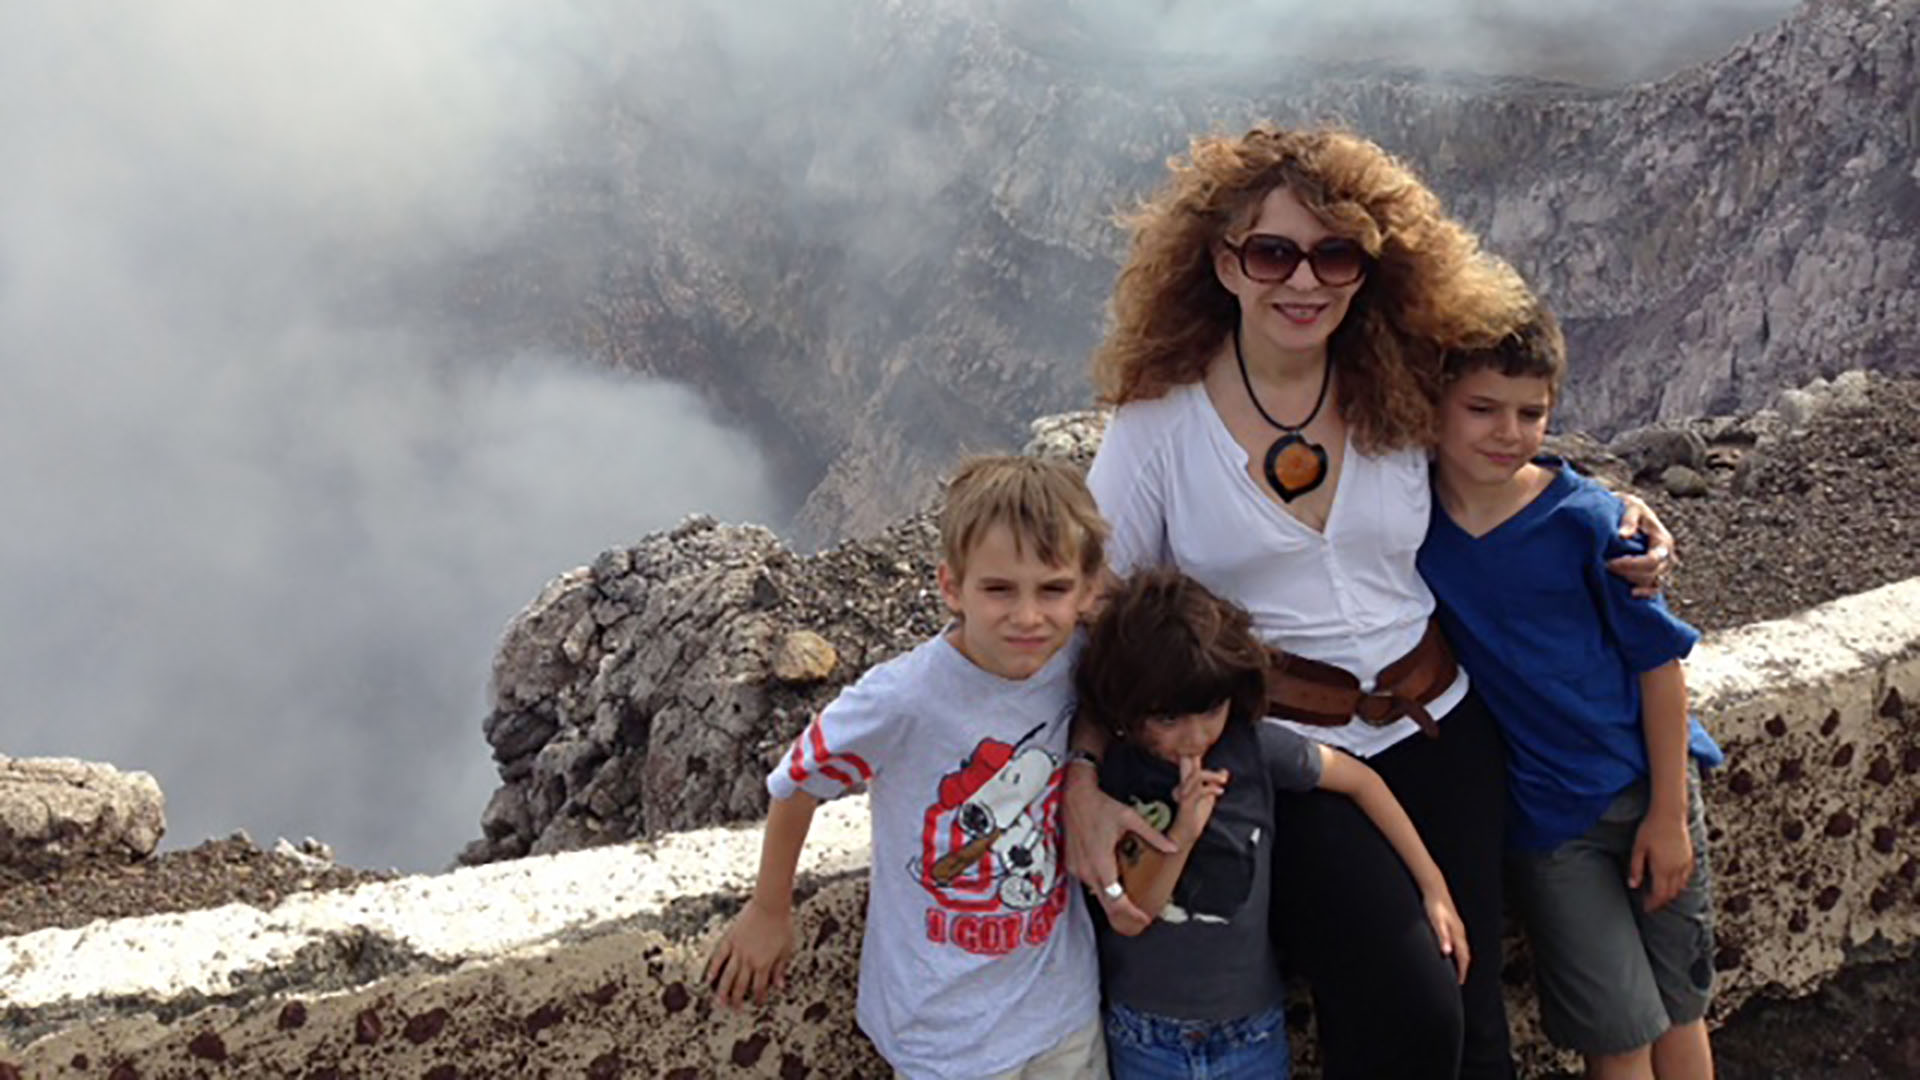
[[987, 842]]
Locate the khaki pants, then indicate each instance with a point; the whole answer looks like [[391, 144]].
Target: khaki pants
[[1082, 1055]]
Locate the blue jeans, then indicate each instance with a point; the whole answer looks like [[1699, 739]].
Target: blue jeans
[[1144, 1046]]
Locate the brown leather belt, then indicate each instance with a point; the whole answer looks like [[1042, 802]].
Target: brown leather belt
[[1310, 692]]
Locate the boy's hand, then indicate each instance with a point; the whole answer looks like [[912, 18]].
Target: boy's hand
[[1662, 858], [1095, 821], [1198, 791], [1451, 931], [752, 956]]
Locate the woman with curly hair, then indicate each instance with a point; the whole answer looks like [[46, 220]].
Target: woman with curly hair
[[1274, 356]]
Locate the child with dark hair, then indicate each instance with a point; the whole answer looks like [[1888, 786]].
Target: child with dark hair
[[1176, 677], [1605, 829]]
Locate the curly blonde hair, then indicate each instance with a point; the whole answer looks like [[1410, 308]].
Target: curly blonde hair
[[1431, 287]]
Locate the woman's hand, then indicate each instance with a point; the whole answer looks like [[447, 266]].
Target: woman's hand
[[1644, 572], [1127, 919], [1450, 930], [1095, 822]]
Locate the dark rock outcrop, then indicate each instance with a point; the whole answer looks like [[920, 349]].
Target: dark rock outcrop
[[652, 690]]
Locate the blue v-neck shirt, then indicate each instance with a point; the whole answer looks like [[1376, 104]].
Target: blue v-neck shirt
[[1556, 645]]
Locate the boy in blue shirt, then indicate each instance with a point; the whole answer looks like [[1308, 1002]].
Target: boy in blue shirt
[[1605, 824]]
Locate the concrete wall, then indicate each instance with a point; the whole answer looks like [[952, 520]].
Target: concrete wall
[[586, 964]]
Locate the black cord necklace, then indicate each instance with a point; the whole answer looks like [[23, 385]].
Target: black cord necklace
[[1295, 465]]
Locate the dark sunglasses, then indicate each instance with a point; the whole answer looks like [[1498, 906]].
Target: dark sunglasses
[[1267, 258]]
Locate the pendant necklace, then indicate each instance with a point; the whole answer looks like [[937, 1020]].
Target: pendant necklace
[[1295, 465]]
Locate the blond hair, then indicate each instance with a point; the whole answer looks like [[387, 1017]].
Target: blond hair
[[1431, 287], [1044, 503]]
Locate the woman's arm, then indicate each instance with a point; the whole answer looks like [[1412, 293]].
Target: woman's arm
[[1353, 778], [1128, 481], [1151, 884], [1095, 822]]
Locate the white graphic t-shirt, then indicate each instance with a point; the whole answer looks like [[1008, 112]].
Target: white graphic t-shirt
[[978, 952]]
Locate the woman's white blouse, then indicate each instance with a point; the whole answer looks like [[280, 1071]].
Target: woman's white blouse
[[1173, 485]]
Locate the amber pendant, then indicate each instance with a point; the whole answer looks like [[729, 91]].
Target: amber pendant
[[1295, 466]]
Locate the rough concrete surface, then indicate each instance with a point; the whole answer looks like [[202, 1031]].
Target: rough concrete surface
[[587, 963], [506, 953]]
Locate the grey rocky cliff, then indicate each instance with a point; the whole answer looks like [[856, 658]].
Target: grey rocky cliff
[[912, 252], [1732, 230]]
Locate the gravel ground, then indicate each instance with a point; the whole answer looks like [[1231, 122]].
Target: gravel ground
[[1829, 513], [226, 871]]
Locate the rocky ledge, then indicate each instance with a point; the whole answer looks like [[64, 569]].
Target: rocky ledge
[[588, 962]]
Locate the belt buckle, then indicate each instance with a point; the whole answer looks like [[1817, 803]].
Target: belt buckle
[[1377, 710]]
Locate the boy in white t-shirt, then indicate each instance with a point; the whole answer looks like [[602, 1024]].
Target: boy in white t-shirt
[[978, 959]]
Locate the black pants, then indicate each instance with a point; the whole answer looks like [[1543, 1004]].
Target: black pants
[[1348, 917]]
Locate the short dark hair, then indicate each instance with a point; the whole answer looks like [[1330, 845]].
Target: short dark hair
[[1166, 645], [1535, 350]]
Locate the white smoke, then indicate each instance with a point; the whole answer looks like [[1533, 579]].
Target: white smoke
[[1599, 42], [263, 527]]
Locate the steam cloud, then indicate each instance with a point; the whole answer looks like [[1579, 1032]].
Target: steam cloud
[[267, 503], [1603, 42], [263, 522]]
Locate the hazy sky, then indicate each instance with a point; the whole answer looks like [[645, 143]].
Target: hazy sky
[[260, 539], [263, 521]]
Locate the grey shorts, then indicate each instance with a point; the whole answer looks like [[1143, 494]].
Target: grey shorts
[[1611, 976]]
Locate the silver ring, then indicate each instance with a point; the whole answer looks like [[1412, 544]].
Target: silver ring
[[1114, 891]]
